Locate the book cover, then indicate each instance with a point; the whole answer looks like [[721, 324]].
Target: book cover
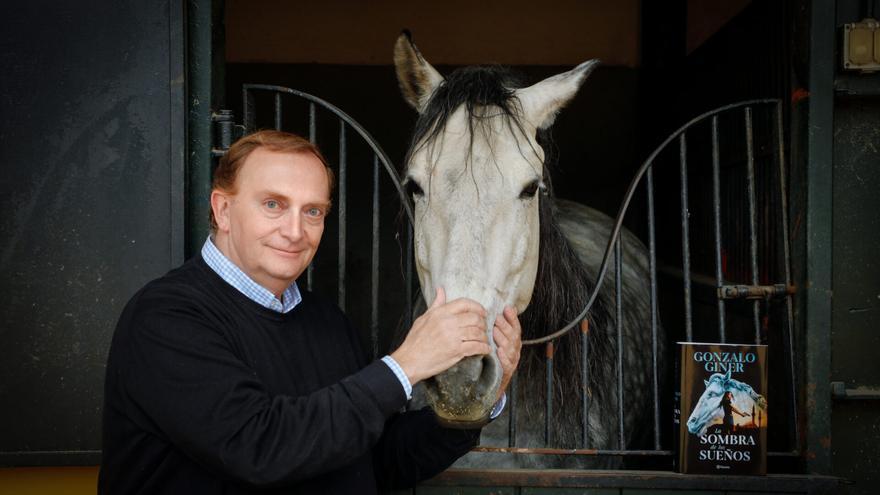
[[721, 409]]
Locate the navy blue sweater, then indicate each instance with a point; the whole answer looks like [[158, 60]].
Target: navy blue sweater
[[209, 392]]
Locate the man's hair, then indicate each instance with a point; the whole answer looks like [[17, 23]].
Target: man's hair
[[226, 173]]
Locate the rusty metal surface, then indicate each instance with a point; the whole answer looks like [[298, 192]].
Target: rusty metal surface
[[755, 291]]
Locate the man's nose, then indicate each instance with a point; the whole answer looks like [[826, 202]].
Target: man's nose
[[291, 226]]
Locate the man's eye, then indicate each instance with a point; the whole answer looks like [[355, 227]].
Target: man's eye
[[315, 212], [272, 204]]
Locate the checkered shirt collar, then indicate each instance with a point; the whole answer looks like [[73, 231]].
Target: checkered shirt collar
[[229, 272]]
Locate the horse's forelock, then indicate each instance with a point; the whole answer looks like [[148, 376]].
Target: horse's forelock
[[484, 93]]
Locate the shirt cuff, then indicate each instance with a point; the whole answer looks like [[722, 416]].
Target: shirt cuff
[[401, 376], [498, 407]]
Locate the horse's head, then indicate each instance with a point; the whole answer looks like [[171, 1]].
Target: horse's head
[[475, 173], [707, 411]]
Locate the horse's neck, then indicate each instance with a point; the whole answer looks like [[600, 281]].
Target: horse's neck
[[561, 284], [562, 288], [567, 270]]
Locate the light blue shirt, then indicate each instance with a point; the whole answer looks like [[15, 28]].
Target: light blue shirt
[[290, 298]]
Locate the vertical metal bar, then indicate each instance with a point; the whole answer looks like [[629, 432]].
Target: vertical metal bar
[[685, 238], [342, 205], [716, 207], [248, 112], [277, 111], [408, 317], [818, 162], [652, 267], [618, 318], [585, 383], [313, 136], [374, 262], [199, 127], [511, 412], [786, 253], [753, 241], [548, 412]]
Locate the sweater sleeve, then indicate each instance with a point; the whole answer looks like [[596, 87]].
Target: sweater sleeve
[[183, 376], [415, 447]]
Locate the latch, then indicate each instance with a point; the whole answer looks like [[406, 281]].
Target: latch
[[225, 131], [840, 392]]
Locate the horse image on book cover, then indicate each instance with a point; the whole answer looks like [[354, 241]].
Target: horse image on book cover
[[723, 397]]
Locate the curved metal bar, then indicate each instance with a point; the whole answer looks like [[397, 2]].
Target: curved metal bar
[[615, 232], [386, 162]]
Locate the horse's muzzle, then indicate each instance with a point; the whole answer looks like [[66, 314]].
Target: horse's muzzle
[[463, 396]]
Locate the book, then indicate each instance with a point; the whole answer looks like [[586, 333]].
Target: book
[[720, 410]]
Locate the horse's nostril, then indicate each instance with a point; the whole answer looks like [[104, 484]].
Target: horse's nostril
[[487, 375]]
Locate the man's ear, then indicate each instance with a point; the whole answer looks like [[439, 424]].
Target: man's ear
[[220, 202]]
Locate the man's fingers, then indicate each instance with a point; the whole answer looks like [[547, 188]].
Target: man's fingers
[[474, 333], [510, 313], [463, 305], [474, 348]]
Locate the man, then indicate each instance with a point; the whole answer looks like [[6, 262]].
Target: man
[[224, 378]]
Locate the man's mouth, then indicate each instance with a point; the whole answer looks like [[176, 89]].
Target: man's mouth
[[287, 252]]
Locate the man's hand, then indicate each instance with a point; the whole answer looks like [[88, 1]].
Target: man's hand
[[443, 336], [508, 340]]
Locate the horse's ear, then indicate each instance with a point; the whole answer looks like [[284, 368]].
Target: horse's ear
[[543, 100], [727, 375], [706, 382], [416, 77]]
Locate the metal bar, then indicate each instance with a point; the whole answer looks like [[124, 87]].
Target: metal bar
[[618, 317], [249, 114], [277, 111], [818, 162], [374, 263], [755, 291], [786, 250], [716, 204], [753, 229], [511, 404], [408, 254], [585, 383], [652, 267], [623, 481], [584, 452], [840, 392], [685, 238], [548, 412], [343, 175], [313, 136], [199, 129]]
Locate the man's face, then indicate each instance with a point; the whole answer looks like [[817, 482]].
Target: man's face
[[272, 225]]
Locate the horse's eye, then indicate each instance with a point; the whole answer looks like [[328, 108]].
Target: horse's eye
[[413, 188], [530, 190]]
